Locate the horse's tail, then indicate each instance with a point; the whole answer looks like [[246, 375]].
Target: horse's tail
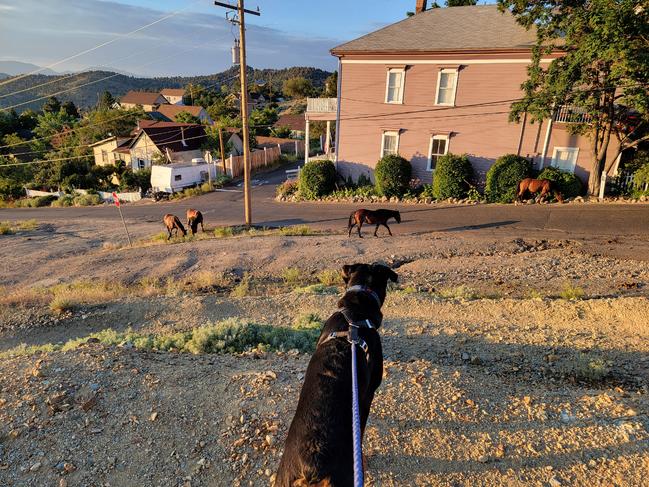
[[351, 217], [180, 225]]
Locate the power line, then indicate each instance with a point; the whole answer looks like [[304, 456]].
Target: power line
[[103, 44]]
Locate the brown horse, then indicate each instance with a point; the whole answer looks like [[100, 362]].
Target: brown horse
[[544, 186], [194, 217], [373, 217], [172, 222]]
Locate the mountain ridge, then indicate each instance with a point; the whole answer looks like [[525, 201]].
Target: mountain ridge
[[91, 84]]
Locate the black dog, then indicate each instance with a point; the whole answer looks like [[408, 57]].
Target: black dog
[[319, 449]]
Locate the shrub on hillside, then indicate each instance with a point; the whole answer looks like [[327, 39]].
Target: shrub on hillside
[[317, 178], [392, 175], [503, 178], [452, 177], [566, 182]]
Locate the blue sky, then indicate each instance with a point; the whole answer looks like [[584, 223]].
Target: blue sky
[[196, 41]]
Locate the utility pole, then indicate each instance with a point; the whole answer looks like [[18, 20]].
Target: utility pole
[[225, 172], [244, 102]]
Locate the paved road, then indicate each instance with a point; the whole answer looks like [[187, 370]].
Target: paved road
[[226, 208]]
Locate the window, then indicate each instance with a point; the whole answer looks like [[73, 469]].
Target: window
[[565, 158], [178, 177], [438, 148], [446, 84], [104, 156], [394, 86], [390, 143], [141, 164]]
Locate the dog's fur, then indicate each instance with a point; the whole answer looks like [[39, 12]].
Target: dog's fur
[[172, 222], [318, 448], [194, 217], [373, 217]]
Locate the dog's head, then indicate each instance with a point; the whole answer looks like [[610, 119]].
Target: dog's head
[[373, 276]]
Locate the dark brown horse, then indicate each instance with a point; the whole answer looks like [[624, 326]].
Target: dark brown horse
[[194, 217], [373, 217], [542, 186], [172, 222]]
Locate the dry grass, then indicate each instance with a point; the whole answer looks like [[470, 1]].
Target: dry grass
[[330, 277], [571, 292], [458, 292], [244, 287], [292, 276], [10, 228]]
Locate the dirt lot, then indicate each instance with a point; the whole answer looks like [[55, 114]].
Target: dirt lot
[[509, 360]]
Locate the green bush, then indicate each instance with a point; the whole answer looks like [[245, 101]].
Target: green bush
[[641, 176], [392, 175], [10, 189], [64, 201], [287, 188], [503, 178], [86, 200], [36, 202], [317, 178], [569, 184], [452, 177]]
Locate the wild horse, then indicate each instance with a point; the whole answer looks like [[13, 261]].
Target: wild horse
[[543, 186], [373, 217]]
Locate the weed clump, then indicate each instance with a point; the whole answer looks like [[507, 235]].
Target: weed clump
[[571, 292]]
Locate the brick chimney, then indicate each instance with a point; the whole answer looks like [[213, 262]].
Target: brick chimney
[[421, 6]]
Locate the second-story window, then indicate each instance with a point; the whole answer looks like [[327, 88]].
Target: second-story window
[[394, 88], [446, 84]]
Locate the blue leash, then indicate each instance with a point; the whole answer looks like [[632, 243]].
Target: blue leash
[[356, 423]]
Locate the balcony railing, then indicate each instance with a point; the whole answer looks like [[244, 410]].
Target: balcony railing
[[571, 114], [321, 105]]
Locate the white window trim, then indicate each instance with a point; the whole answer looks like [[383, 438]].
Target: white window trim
[[439, 79], [389, 132], [430, 149], [572, 149], [401, 90]]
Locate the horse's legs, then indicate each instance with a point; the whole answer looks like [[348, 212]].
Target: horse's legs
[[351, 226], [202, 227], [360, 224], [168, 234], [376, 229], [386, 226]]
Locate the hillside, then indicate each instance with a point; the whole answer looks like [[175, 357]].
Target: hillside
[[92, 83]]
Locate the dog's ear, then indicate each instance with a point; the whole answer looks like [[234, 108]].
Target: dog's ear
[[348, 270], [386, 271]]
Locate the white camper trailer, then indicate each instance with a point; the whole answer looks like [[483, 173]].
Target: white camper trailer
[[170, 178]]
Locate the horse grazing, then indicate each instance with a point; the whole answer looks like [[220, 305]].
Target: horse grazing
[[172, 222], [373, 217], [544, 186], [194, 217]]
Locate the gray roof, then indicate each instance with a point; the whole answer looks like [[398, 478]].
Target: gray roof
[[446, 29]]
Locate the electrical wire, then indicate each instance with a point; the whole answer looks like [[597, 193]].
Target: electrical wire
[[103, 44]]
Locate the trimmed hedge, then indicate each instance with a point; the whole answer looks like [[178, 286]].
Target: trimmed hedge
[[503, 178], [317, 178], [452, 177], [569, 184], [392, 175]]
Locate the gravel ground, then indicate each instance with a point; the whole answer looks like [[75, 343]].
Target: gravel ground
[[484, 381]]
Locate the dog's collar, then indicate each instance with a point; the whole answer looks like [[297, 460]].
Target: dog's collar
[[364, 289]]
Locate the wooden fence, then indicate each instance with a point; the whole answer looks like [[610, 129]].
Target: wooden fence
[[259, 158]]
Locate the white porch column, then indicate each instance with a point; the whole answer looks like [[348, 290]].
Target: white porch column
[[327, 146], [306, 143]]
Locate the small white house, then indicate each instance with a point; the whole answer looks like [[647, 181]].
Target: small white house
[[170, 178]]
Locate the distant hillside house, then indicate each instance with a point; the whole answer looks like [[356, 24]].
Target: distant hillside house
[[148, 100], [297, 124], [106, 153], [170, 112], [177, 142], [255, 101], [174, 95]]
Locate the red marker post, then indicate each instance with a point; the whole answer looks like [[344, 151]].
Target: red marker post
[[119, 207]]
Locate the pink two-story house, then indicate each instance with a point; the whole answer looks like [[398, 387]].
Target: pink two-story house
[[443, 81]]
